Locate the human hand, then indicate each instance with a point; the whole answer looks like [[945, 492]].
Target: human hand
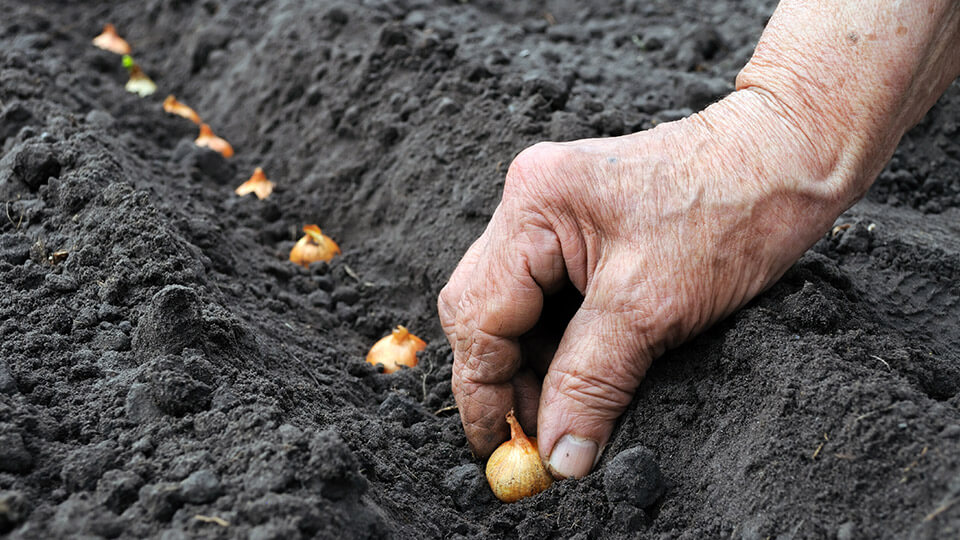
[[667, 231], [663, 232]]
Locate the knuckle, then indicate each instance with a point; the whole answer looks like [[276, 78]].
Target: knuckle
[[530, 166], [463, 386]]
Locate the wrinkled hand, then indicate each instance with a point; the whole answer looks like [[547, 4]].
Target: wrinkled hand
[[663, 233]]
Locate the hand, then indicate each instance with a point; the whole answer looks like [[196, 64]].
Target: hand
[[663, 233]]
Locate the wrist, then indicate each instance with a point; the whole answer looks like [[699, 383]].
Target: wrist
[[786, 155], [843, 139], [854, 77]]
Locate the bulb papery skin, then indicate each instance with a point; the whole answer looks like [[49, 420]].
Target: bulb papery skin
[[258, 184], [313, 246], [139, 83], [515, 470], [207, 139], [110, 41], [398, 349], [172, 106]]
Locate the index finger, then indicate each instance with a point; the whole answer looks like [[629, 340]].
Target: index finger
[[501, 299]]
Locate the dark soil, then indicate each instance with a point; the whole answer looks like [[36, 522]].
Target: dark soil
[[173, 367]]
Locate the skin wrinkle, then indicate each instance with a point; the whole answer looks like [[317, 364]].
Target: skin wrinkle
[[792, 120], [466, 387], [766, 64], [574, 252], [666, 298], [492, 308], [679, 214], [547, 247], [492, 372], [590, 391], [618, 333], [581, 265], [489, 416], [648, 310]]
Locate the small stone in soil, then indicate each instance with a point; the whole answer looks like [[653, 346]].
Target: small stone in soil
[[35, 164], [172, 321], [447, 107], [322, 281], [468, 486], [177, 393], [847, 531], [320, 298], [203, 486], [346, 295], [402, 409], [140, 406], [334, 467], [634, 477], [118, 489], [61, 283], [856, 239], [160, 500], [111, 339]]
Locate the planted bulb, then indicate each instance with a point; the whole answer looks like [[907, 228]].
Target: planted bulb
[[109, 40], [207, 139], [313, 246], [139, 83], [258, 184], [400, 348], [515, 470], [172, 106]]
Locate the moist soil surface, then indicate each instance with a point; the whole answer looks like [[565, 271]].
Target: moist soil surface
[[166, 372]]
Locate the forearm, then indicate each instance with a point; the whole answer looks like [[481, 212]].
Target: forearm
[[853, 77]]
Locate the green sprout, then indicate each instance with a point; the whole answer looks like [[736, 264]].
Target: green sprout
[[139, 83]]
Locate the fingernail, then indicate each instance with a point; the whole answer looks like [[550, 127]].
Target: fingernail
[[572, 457]]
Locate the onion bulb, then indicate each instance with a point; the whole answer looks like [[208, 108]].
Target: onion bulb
[[209, 140], [172, 106], [314, 246], [515, 470], [139, 83], [398, 349], [108, 40], [257, 184]]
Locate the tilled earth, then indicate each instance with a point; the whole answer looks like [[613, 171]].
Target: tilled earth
[[165, 371]]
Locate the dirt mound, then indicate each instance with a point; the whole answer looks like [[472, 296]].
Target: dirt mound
[[164, 370]]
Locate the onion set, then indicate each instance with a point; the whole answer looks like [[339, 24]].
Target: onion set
[[313, 246], [400, 348], [257, 184], [108, 40], [172, 106], [207, 139], [139, 83], [515, 470]]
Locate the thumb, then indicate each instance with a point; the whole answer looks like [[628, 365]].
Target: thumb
[[600, 362]]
